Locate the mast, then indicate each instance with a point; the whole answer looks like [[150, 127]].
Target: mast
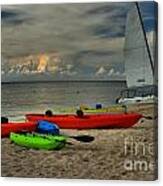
[[145, 38]]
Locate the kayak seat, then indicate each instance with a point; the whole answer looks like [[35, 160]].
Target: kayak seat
[[4, 120], [49, 113]]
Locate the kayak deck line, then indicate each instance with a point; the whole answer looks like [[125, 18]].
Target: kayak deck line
[[72, 121]]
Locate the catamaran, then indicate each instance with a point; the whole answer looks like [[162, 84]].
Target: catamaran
[[140, 56]]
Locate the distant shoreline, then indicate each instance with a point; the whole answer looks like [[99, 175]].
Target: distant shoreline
[[65, 81]]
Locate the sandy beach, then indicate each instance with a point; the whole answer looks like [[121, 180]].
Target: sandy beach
[[127, 154]]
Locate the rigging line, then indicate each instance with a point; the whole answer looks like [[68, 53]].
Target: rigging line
[[145, 38]]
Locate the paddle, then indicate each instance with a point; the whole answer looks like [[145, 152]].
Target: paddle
[[82, 138], [149, 117]]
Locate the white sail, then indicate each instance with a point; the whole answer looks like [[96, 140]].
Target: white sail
[[137, 62]]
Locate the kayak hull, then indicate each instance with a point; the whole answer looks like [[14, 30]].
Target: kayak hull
[[89, 121], [7, 128], [36, 141]]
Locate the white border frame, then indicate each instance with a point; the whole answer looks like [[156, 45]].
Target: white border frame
[[65, 182]]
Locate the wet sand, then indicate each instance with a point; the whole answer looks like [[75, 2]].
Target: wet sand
[[127, 154]]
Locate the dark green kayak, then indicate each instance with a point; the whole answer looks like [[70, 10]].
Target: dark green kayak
[[38, 141]]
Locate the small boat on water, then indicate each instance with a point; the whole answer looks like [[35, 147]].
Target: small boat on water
[[7, 128], [95, 121], [36, 141]]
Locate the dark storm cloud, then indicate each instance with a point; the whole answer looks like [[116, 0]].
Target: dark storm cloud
[[66, 28], [87, 36], [114, 16], [81, 54], [13, 18], [107, 8], [8, 14], [107, 32]]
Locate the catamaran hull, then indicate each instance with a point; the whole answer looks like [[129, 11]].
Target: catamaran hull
[[148, 99]]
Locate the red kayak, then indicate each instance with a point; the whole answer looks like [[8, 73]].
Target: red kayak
[[7, 128], [89, 121]]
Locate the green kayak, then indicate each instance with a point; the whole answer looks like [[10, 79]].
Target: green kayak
[[38, 141]]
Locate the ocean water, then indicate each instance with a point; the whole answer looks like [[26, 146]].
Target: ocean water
[[17, 99]]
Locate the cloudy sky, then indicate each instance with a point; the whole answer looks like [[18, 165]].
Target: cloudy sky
[[79, 41]]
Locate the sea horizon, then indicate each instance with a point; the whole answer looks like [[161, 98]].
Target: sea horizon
[[19, 98], [62, 81]]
